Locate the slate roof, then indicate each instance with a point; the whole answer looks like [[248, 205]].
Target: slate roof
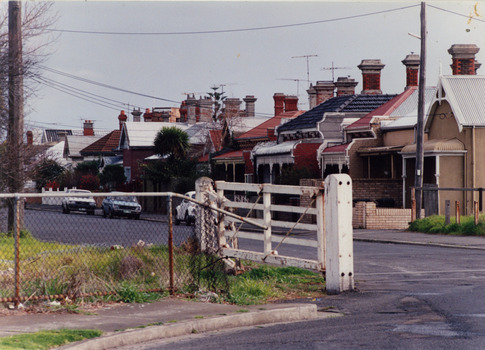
[[340, 104]]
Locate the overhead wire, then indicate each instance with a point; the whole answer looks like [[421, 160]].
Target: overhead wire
[[237, 29]]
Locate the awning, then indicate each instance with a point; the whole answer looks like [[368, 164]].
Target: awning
[[437, 146], [376, 151]]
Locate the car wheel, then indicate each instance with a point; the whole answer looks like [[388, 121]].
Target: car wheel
[[137, 217], [187, 219], [65, 210]]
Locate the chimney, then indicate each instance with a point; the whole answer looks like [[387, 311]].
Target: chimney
[[279, 103], [412, 62], [147, 116], [250, 105], [88, 128], [345, 86], [205, 109], [232, 106], [371, 76], [477, 66], [136, 115], [322, 91], [122, 118], [463, 56], [30, 138], [291, 103], [191, 109]]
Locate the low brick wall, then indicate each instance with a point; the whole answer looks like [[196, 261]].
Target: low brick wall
[[366, 215]]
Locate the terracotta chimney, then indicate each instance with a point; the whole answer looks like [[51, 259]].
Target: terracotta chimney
[[30, 138], [279, 103], [412, 62], [88, 128], [122, 118], [320, 92], [345, 86], [291, 103], [463, 56], [250, 105], [147, 116], [136, 115], [371, 76]]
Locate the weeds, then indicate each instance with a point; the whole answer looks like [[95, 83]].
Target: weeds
[[436, 224]]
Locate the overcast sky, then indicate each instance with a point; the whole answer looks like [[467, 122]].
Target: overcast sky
[[145, 48]]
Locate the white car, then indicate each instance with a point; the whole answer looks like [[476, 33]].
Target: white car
[[120, 204], [83, 204], [186, 210]]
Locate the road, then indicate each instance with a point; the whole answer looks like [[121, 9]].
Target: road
[[408, 297]]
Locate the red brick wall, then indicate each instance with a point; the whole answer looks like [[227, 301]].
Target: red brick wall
[[306, 156], [372, 81], [464, 66], [412, 76], [374, 189], [133, 158]]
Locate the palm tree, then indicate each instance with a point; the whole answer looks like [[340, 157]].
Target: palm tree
[[172, 142]]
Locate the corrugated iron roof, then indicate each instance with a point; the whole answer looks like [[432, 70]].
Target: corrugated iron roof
[[466, 95], [273, 148], [437, 145]]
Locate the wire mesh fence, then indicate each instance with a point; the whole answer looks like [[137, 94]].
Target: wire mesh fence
[[70, 247]]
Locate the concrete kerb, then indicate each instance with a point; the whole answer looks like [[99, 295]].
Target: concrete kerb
[[432, 244], [134, 336]]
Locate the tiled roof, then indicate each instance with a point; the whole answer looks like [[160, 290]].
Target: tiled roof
[[336, 149], [341, 104], [230, 155], [262, 129], [106, 144], [216, 139]]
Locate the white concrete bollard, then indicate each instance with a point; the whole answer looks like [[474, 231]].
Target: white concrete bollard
[[339, 256]]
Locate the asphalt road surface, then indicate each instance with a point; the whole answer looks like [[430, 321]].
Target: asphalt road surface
[[407, 297]]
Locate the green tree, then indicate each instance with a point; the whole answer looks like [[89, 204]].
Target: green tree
[[48, 170], [218, 98], [173, 143], [112, 177]]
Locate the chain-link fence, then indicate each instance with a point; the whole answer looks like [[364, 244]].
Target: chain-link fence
[[76, 245]]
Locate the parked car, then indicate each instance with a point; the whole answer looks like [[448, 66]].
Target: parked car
[[185, 211], [119, 204], [83, 204]]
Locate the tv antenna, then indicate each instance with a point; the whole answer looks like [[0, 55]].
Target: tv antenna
[[333, 68], [307, 65], [297, 84]]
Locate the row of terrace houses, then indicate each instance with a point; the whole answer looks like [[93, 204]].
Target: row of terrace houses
[[371, 135]]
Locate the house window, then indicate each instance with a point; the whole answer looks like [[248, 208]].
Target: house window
[[128, 173]]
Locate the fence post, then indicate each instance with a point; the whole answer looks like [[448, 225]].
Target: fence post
[[202, 185], [267, 222], [475, 211], [447, 211], [170, 244], [413, 204], [457, 212], [221, 227], [321, 226], [339, 255], [16, 232]]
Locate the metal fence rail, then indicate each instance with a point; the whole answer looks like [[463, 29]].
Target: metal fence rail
[[51, 254]]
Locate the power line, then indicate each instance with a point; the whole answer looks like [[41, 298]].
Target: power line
[[104, 85], [456, 13], [235, 30]]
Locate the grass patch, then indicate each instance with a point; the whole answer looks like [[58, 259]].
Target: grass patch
[[265, 283], [436, 224], [46, 339]]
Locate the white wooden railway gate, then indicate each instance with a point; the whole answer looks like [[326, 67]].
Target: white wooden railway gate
[[330, 204]]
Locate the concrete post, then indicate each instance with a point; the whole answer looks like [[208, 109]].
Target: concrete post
[[202, 184], [339, 257]]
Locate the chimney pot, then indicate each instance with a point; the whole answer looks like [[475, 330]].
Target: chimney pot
[[320, 92], [88, 128], [291, 103], [345, 86]]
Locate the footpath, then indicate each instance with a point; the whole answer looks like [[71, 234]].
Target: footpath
[[129, 324]]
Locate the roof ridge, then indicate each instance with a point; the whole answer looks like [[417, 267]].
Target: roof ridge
[[346, 103]]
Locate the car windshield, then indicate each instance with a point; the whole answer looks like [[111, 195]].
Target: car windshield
[[125, 199], [79, 191]]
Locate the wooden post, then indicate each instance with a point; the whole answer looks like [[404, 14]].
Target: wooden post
[[339, 257], [321, 226], [267, 222], [457, 212], [170, 246], [447, 212], [475, 211], [413, 204]]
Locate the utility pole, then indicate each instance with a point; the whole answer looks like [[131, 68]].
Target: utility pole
[[15, 104], [418, 179], [307, 65]]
